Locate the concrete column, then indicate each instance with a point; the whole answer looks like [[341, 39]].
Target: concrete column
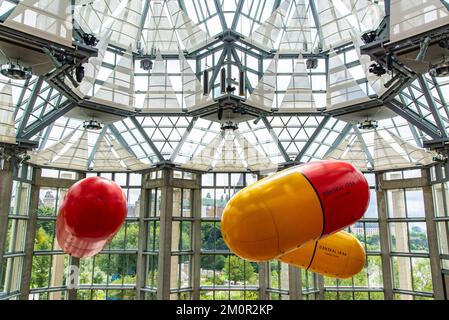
[[71, 293], [141, 269], [432, 238], [196, 242], [6, 183], [164, 263], [294, 277], [175, 238], [387, 274], [285, 278], [320, 285], [29, 240], [401, 238], [446, 284], [264, 272]]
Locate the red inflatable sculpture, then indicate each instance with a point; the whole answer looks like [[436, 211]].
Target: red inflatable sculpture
[[90, 215]]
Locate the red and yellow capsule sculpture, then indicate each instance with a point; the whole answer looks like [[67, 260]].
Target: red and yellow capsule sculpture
[[92, 212], [296, 216]]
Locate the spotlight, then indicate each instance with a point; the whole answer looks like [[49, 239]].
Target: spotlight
[[369, 37], [312, 63], [377, 69], [92, 125], [79, 73], [146, 64], [439, 71], [368, 125], [16, 71], [90, 39], [229, 126]]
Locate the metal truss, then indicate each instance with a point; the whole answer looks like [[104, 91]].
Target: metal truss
[[226, 49]]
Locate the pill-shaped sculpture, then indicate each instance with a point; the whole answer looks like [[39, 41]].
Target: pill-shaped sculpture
[[339, 255], [290, 208], [92, 212]]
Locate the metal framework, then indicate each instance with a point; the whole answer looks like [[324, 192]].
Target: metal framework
[[51, 99]]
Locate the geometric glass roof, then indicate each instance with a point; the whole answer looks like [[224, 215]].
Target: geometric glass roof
[[296, 113]]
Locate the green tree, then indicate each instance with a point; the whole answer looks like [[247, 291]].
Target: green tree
[[46, 211], [41, 264], [238, 270]]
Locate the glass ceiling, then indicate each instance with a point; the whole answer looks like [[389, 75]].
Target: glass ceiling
[[273, 41]]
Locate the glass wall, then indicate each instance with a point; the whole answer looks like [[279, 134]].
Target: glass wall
[[152, 233], [409, 247], [196, 243], [111, 275], [441, 200], [368, 284], [223, 275], [14, 248], [181, 250]]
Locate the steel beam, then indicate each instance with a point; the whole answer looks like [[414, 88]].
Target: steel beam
[[415, 119], [220, 14], [147, 138], [242, 67], [30, 105], [21, 97], [143, 19], [238, 11], [317, 21], [183, 139], [51, 117], [312, 139], [94, 150], [432, 105], [120, 139], [340, 138], [365, 147], [276, 139], [217, 68]]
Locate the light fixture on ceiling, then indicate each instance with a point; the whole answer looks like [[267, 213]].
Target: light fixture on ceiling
[[369, 36], [92, 125], [16, 71], [441, 69], [377, 69], [312, 63], [368, 125], [229, 125], [90, 39], [146, 64]]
